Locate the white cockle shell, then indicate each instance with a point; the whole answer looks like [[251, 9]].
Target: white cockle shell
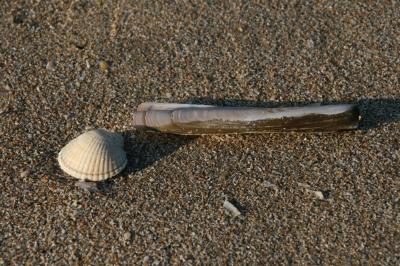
[[95, 155]]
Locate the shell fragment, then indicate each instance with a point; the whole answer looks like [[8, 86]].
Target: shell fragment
[[231, 208]]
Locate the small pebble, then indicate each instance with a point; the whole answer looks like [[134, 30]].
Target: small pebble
[[319, 195], [146, 259], [74, 203], [24, 173], [50, 65], [270, 185], [127, 236], [113, 31], [302, 184], [88, 186], [231, 208], [103, 65]]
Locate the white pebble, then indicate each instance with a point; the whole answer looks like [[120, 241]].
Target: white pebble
[[319, 195], [127, 236], [231, 208], [88, 186]]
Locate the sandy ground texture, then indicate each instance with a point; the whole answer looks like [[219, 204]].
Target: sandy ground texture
[[67, 66]]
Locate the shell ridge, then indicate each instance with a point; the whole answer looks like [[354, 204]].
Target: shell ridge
[[94, 155], [102, 166], [64, 151], [68, 154], [87, 159], [111, 171], [63, 156], [98, 174], [109, 165]]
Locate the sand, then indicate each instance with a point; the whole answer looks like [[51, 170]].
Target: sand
[[68, 66]]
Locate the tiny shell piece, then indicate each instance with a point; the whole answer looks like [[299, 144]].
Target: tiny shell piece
[[87, 186], [24, 173], [231, 208], [95, 155], [127, 236], [318, 194]]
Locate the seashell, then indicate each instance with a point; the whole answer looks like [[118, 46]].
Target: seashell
[[95, 155], [187, 119]]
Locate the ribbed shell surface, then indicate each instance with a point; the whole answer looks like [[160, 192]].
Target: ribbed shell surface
[[95, 155]]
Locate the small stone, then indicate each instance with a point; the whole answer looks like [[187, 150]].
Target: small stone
[[310, 43], [146, 259], [24, 173], [82, 76], [89, 127], [87, 186], [103, 65], [80, 43], [302, 184], [319, 195], [50, 65], [74, 203], [269, 184], [113, 31], [231, 208], [127, 236]]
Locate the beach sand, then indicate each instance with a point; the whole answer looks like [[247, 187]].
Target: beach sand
[[304, 198]]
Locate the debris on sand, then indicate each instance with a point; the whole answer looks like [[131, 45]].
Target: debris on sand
[[24, 173], [317, 193], [87, 186], [127, 236], [231, 208]]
